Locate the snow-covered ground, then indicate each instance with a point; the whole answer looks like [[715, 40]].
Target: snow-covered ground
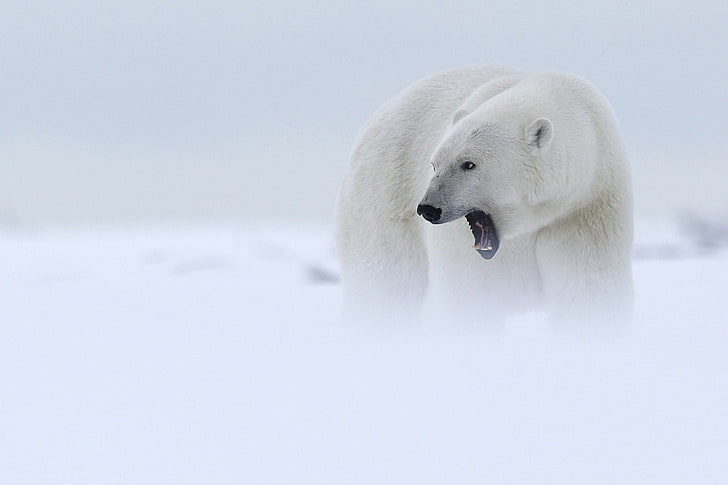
[[214, 355]]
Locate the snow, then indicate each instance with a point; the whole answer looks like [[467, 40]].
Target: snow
[[215, 355]]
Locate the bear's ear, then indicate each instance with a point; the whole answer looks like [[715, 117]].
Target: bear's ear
[[539, 134], [459, 115]]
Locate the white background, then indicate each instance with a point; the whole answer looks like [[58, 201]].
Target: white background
[[132, 353], [179, 110]]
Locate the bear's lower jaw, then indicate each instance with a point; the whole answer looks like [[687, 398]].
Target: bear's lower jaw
[[486, 238]]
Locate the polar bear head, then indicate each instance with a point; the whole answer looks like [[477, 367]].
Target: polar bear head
[[509, 168]]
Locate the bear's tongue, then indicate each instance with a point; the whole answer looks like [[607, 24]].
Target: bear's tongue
[[486, 239]]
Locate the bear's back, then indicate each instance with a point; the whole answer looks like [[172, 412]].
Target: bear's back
[[392, 153]]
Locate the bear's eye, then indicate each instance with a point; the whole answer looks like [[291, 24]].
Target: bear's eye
[[467, 165]]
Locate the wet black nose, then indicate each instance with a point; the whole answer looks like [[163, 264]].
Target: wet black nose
[[430, 213]]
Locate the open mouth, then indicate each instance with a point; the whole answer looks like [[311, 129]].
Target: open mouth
[[486, 239]]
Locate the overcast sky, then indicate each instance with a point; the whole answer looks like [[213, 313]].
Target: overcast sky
[[180, 110]]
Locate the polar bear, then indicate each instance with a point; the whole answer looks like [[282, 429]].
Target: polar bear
[[489, 191]]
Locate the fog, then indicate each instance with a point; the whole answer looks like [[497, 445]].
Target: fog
[[217, 356], [186, 111]]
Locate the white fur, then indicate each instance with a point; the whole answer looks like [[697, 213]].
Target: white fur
[[550, 169]]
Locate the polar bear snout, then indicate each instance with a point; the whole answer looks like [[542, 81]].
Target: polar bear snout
[[430, 213]]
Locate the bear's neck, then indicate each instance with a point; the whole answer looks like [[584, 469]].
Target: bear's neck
[[588, 253]]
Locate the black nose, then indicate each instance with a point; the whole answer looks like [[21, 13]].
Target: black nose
[[430, 213]]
